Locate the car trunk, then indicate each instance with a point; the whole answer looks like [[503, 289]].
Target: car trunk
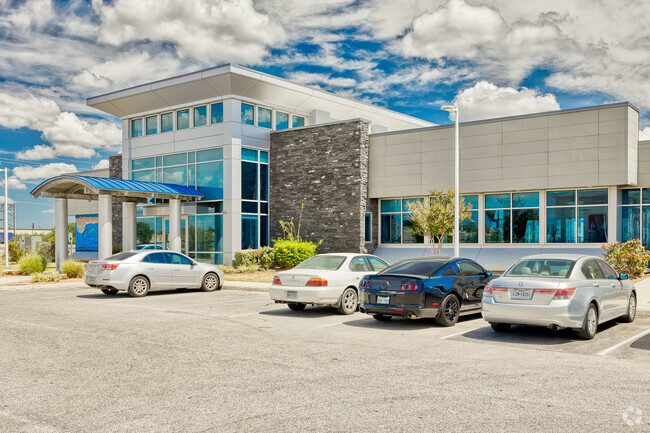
[[387, 290], [527, 291], [299, 278]]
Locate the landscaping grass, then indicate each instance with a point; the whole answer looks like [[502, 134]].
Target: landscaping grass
[[257, 277], [15, 267]]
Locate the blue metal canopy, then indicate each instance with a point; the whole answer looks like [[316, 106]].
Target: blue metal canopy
[[87, 187]]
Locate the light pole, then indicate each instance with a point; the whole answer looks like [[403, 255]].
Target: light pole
[[454, 109], [6, 219]]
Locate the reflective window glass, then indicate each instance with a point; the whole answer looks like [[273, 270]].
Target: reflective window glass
[[191, 156], [471, 200], [191, 228], [248, 181], [248, 154], [144, 175], [145, 230], [377, 264], [298, 121], [525, 226], [157, 258], [608, 272], [200, 115], [645, 230], [281, 120], [152, 125], [138, 164], [359, 264], [183, 119], [525, 199], [390, 205], [178, 259], [249, 206], [264, 156], [408, 236], [247, 114], [496, 201], [631, 196], [391, 228], [368, 227], [175, 175], [209, 233], [209, 180], [166, 122], [630, 223], [264, 208], [136, 128], [592, 196], [645, 195], [560, 198], [497, 226], [468, 269], [213, 207], [409, 201], [469, 229], [191, 175], [264, 231], [592, 224], [561, 225], [175, 159], [209, 155], [591, 271], [264, 182], [216, 113], [263, 117], [248, 232]]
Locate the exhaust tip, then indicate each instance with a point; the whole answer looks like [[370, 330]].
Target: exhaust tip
[[411, 316]]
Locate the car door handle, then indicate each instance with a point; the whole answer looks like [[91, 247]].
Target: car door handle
[[151, 269], [176, 269], [596, 285]]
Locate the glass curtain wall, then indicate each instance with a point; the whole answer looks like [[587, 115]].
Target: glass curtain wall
[[576, 216], [395, 220], [635, 215], [255, 198]]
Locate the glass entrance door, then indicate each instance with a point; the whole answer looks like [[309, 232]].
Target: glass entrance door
[[183, 234]]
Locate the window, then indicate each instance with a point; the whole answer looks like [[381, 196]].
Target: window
[[263, 117], [178, 259], [396, 225], [297, 121], [469, 228], [468, 269], [497, 221], [576, 216], [166, 122], [359, 264], [182, 119], [200, 116], [377, 264], [157, 258], [216, 113], [281, 121], [512, 217], [248, 231], [368, 227], [136, 128], [608, 272], [591, 271], [557, 268], [255, 196], [152, 125], [635, 215], [247, 114]]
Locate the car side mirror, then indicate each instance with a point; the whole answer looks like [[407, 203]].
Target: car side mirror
[[623, 276], [488, 273]]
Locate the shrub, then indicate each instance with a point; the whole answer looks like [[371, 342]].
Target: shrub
[[73, 268], [16, 251], [239, 269], [32, 263], [289, 253], [45, 277], [262, 257], [46, 249], [628, 257]]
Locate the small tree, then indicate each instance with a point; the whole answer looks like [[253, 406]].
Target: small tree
[[435, 219]]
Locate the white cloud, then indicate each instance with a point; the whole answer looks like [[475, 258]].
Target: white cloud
[[222, 30], [101, 164], [45, 171], [48, 211], [14, 184], [311, 79], [485, 100]]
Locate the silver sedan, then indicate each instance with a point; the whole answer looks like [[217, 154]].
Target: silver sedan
[[139, 271], [559, 291]]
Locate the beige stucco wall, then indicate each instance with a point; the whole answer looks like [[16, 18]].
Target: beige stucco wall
[[591, 147]]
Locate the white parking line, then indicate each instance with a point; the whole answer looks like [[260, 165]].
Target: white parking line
[[623, 343], [245, 314], [331, 324], [461, 333]]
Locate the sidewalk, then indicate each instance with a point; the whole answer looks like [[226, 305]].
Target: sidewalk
[[643, 296]]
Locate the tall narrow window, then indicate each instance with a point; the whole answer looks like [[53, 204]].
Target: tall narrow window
[[166, 122], [200, 116], [298, 121], [216, 113], [247, 114], [263, 117], [152, 125], [183, 119], [136, 128], [281, 120]]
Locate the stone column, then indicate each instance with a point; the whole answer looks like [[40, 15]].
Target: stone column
[[60, 232], [105, 212], [129, 224], [175, 225]]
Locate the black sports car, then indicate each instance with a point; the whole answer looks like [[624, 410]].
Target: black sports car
[[438, 287]]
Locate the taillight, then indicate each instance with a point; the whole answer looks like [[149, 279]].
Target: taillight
[[487, 291], [410, 287], [564, 293], [364, 285], [276, 280], [110, 267], [317, 282]]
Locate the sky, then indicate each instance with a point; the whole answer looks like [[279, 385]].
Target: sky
[[490, 59]]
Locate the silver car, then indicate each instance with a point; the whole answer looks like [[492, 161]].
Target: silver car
[[559, 291], [139, 271]]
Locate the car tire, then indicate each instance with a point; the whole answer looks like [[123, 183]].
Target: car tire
[[382, 317], [349, 301], [590, 324], [296, 307], [109, 291], [500, 327], [631, 310], [449, 311], [139, 286], [210, 282]]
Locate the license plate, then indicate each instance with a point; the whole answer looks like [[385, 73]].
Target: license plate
[[292, 295], [90, 280], [520, 294], [383, 300]]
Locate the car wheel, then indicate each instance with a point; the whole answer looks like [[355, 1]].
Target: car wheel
[[590, 324], [139, 286], [210, 282], [449, 309], [382, 317], [500, 327], [631, 310], [110, 291], [297, 307], [349, 301]]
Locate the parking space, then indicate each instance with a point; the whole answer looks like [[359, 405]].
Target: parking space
[[236, 361]]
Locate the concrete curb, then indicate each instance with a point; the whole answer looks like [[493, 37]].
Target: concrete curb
[[246, 286]]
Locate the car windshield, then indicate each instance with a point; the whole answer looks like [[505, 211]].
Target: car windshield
[[120, 256], [544, 268], [421, 268], [324, 263]]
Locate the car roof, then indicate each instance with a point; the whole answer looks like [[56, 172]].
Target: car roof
[[558, 256], [346, 254], [444, 259]]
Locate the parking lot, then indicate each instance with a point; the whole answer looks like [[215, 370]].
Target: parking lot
[[73, 359]]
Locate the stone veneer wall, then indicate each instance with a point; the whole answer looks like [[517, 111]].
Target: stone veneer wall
[[115, 172], [324, 167]]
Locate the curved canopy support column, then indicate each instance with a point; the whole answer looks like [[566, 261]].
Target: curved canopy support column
[[175, 225], [60, 232], [105, 211]]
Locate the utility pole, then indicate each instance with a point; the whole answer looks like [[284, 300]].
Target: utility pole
[[6, 219]]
